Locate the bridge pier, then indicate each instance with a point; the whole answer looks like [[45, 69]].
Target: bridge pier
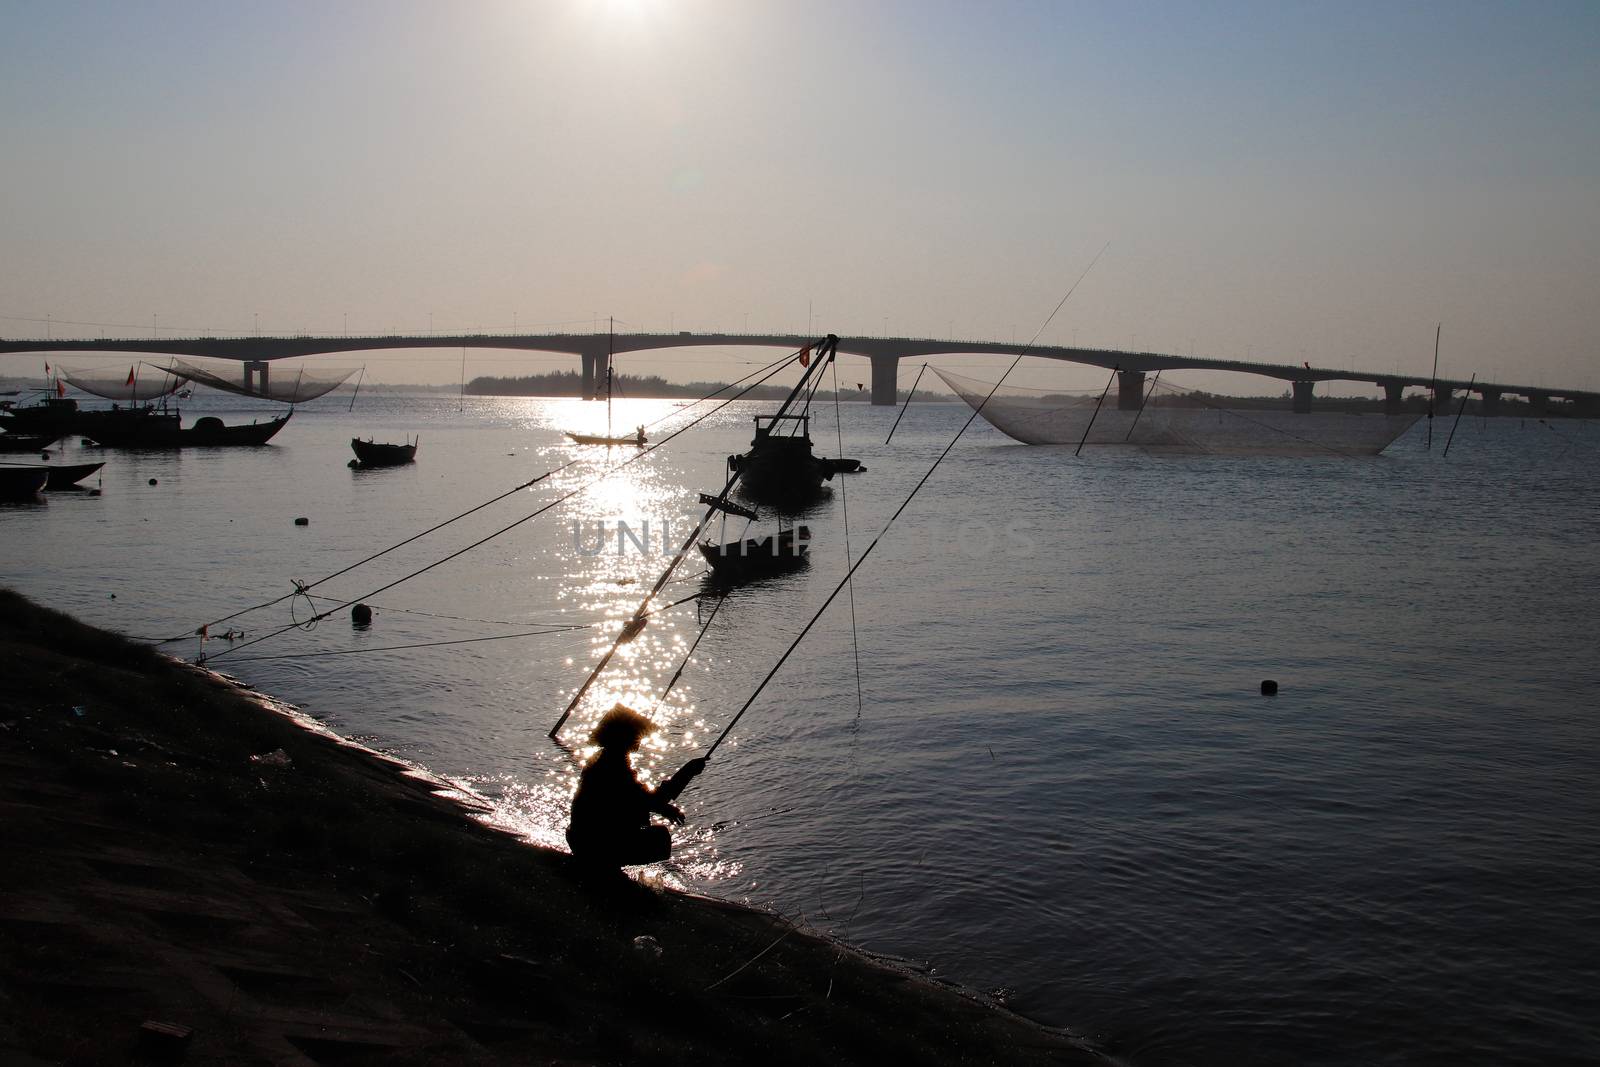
[[885, 373], [1491, 402], [1130, 390], [1302, 398], [1586, 407], [253, 367], [1393, 393], [1441, 399], [1539, 402], [595, 365]]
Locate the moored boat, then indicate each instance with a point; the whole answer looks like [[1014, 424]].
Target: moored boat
[[22, 482], [757, 557], [58, 475], [370, 453], [150, 428], [27, 442], [780, 468]]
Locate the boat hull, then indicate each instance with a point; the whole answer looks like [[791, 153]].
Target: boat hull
[[59, 475], [600, 439], [22, 483], [379, 454], [16, 443], [144, 428], [739, 561]]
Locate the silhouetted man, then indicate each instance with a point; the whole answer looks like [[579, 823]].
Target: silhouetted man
[[611, 810]]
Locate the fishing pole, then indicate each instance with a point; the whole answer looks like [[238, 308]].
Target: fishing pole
[[976, 411], [1464, 397], [903, 409], [844, 508], [1148, 393], [1096, 413], [1433, 383], [357, 390]]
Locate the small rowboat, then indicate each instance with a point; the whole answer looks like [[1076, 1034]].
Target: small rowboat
[[371, 453], [739, 561], [22, 482]]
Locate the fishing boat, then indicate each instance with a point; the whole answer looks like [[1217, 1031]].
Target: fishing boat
[[27, 442], [58, 475], [22, 482], [780, 468], [370, 453], [757, 557], [151, 428], [637, 438], [50, 414]]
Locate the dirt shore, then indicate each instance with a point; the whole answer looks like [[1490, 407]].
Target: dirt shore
[[192, 876]]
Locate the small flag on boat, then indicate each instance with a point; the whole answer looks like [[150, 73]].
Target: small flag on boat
[[130, 376], [61, 388], [805, 356], [47, 368], [1307, 363]]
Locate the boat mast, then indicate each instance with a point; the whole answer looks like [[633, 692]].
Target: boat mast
[[824, 351], [611, 333]]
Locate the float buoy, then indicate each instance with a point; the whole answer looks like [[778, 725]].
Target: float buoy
[[302, 521], [1269, 688], [361, 616]]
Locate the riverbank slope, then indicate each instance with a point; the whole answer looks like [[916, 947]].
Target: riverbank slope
[[192, 874]]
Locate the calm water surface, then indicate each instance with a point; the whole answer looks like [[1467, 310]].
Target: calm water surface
[[1060, 784]]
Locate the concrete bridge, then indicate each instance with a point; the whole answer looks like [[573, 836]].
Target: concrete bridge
[[255, 354]]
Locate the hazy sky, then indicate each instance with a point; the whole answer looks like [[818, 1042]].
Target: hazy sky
[[1281, 181]]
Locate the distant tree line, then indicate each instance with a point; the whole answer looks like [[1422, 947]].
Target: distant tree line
[[570, 383]]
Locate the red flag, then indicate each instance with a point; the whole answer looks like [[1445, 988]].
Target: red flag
[[805, 356], [1307, 363], [61, 390], [130, 376], [47, 368]]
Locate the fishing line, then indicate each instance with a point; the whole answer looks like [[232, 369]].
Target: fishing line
[[631, 629], [690, 654], [773, 367], [903, 505], [777, 366], [423, 644], [452, 618], [844, 508], [903, 409]]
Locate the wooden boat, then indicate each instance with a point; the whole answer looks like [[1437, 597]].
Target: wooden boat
[[149, 428], [59, 475], [27, 442], [22, 482], [50, 414], [370, 453], [636, 439], [757, 557], [780, 468]]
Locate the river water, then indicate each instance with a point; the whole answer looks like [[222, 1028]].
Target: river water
[[1060, 784]]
